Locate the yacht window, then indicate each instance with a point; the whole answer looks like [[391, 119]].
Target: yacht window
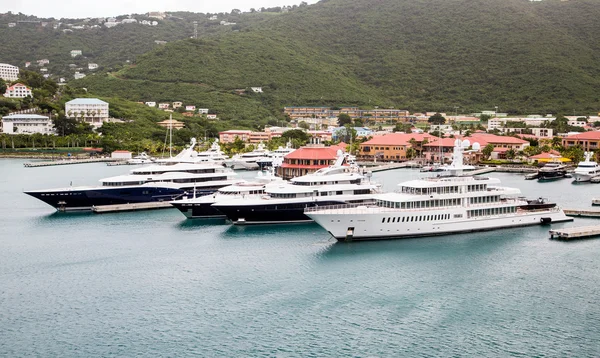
[[394, 220], [402, 219], [382, 220], [388, 220]]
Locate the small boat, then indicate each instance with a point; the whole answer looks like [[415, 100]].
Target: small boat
[[141, 158], [531, 176], [552, 171], [536, 204]]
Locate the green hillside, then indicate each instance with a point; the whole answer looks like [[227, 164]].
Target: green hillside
[[518, 55]]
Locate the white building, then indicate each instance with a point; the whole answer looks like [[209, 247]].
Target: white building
[[9, 72], [120, 154], [190, 108], [75, 53], [18, 90], [27, 124], [92, 66], [78, 75], [203, 110], [91, 110], [151, 104], [177, 104], [163, 105]]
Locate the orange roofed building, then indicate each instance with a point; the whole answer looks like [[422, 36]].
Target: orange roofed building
[[392, 146], [308, 160], [589, 141]]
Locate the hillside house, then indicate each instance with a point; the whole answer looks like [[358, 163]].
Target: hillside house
[[18, 90], [163, 105], [90, 110], [9, 72], [92, 66], [190, 108], [177, 104], [75, 53], [150, 104]]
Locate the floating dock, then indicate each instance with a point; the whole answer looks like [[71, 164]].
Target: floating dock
[[590, 213], [575, 232], [67, 162], [391, 166], [102, 209]]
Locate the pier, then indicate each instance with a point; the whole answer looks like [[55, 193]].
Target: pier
[[590, 213], [575, 232], [67, 162], [102, 209], [390, 166]]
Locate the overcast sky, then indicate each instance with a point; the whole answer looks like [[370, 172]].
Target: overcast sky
[[105, 8]]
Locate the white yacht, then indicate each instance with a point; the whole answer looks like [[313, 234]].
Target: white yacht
[[247, 160], [275, 158], [141, 158], [587, 169], [201, 207], [436, 206], [145, 184], [285, 202], [214, 153], [190, 156]]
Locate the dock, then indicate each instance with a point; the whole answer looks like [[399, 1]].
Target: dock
[[66, 162], [102, 209], [575, 232], [589, 213], [390, 166], [479, 171]]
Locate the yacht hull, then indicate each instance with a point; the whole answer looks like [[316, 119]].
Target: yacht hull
[[375, 226], [580, 177], [198, 210], [85, 199], [270, 213]]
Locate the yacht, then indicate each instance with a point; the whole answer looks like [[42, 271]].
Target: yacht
[[275, 158], [552, 171], [146, 184], [286, 201], [141, 158], [436, 206], [190, 156], [247, 160], [214, 154], [201, 207], [587, 169]]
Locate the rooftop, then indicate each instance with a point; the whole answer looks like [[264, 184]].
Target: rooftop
[[24, 116], [593, 135], [86, 101]]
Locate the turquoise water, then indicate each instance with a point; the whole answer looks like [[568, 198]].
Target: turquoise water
[[153, 284]]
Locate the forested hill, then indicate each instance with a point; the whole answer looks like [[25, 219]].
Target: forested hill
[[26, 38], [417, 54]]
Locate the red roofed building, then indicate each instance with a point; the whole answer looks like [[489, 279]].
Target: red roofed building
[[307, 160], [392, 146], [589, 141], [18, 90]]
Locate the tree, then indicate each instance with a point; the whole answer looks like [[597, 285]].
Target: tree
[[358, 123], [344, 119], [303, 125], [2, 86], [437, 119], [556, 142], [487, 150], [511, 154], [295, 134]]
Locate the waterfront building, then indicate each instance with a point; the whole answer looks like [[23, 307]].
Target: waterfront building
[[27, 124], [308, 160], [361, 132], [18, 90], [9, 72], [373, 115], [393, 146], [90, 110], [589, 141]]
